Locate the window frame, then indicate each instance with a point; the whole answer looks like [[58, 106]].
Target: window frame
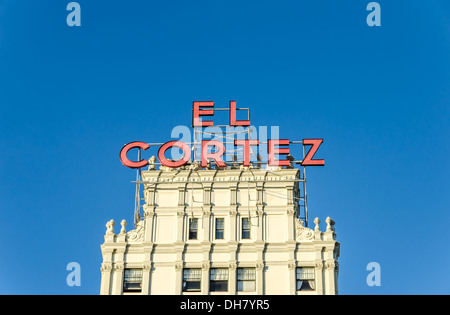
[[245, 280], [308, 276], [185, 281], [248, 230], [191, 231], [221, 230], [214, 281], [133, 279]]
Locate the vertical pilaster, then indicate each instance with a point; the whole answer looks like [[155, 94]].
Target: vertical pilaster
[[290, 224], [329, 277], [146, 278], [178, 278], [319, 277], [206, 224], [105, 287], [292, 277], [180, 225], [147, 269], [118, 278], [233, 232], [205, 278], [232, 266], [260, 278]]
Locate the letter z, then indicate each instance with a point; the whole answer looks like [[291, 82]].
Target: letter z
[[308, 160]]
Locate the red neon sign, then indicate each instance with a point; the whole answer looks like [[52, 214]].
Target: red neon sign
[[216, 156], [123, 154], [273, 151], [308, 160], [275, 147], [174, 164]]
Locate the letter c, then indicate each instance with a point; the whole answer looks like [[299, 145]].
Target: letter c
[[123, 154]]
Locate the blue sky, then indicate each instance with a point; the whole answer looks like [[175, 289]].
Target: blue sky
[[71, 97]]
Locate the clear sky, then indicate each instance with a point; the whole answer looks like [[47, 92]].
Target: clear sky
[[71, 97]]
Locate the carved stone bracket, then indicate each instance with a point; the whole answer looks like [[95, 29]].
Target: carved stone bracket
[[319, 265], [137, 235], [119, 267], [332, 265], [179, 266], [291, 265], [106, 267], [303, 233], [205, 266], [260, 266], [147, 267]]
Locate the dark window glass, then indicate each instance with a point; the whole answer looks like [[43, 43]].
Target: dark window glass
[[193, 228], [245, 228], [218, 280], [192, 279], [219, 228], [132, 280]]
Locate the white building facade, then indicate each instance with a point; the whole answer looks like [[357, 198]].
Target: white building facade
[[225, 231]]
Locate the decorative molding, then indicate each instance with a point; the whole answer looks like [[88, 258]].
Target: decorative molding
[[123, 224], [147, 267], [149, 214], [110, 227], [317, 222], [331, 265], [179, 266], [106, 267], [205, 266], [260, 266], [330, 224], [119, 266], [137, 235], [291, 265], [303, 233]]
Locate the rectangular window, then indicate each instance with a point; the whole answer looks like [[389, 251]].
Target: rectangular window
[[246, 279], [218, 280], [132, 281], [245, 228], [219, 228], [192, 279], [193, 228], [306, 279]]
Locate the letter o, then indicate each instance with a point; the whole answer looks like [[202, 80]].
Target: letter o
[[173, 164]]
